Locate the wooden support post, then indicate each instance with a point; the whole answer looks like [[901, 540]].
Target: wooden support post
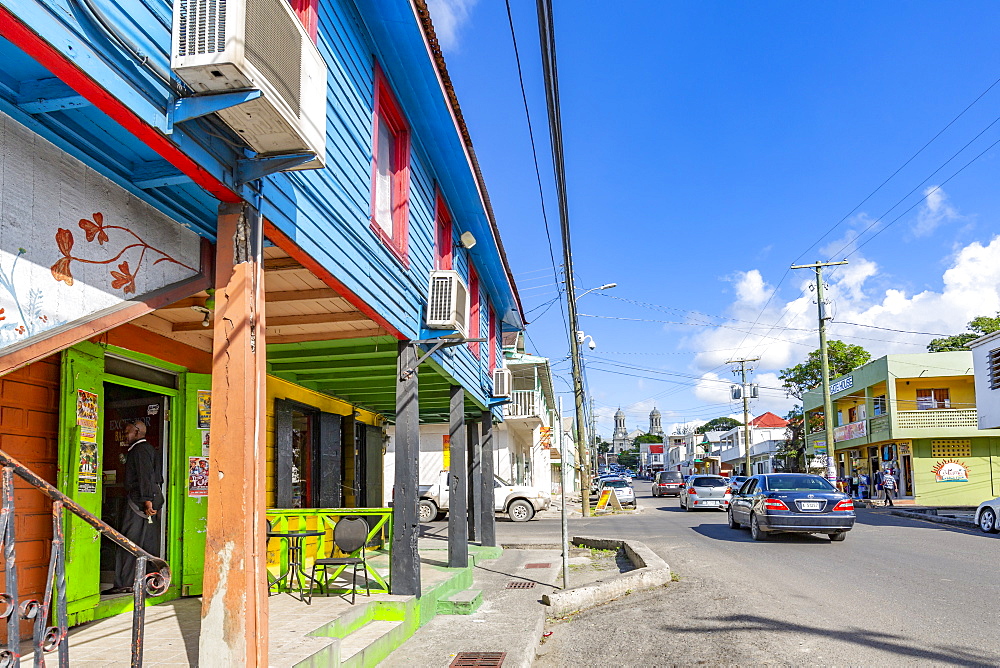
[[405, 520], [234, 597], [487, 522], [458, 482], [475, 481]]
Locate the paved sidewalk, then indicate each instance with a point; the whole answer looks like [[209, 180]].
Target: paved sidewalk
[[510, 620]]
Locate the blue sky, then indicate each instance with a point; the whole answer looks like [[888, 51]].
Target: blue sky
[[709, 146]]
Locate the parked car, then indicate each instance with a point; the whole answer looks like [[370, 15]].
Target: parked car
[[986, 515], [623, 490], [667, 483], [793, 502], [737, 481], [520, 503], [705, 491]]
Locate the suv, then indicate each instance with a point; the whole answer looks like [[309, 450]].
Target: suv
[[667, 483]]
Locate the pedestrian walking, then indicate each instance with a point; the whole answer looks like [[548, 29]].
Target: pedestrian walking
[[140, 522], [888, 486], [865, 484], [855, 484]]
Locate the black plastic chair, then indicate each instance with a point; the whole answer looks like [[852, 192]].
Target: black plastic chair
[[349, 535]]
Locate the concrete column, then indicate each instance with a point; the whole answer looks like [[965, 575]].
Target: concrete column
[[475, 481], [487, 523], [405, 520], [234, 596], [458, 482]]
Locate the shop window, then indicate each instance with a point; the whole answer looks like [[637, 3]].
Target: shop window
[[443, 236], [307, 458], [390, 170], [933, 399]]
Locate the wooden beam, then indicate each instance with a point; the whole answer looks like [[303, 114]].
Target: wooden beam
[[270, 297], [458, 481], [333, 365], [286, 320], [234, 611], [274, 264], [325, 336]]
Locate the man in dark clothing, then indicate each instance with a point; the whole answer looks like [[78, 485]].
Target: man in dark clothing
[[144, 498]]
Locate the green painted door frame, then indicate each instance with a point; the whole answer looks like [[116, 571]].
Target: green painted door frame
[[83, 369]]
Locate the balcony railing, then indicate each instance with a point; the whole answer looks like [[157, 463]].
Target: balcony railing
[[525, 403], [938, 419]]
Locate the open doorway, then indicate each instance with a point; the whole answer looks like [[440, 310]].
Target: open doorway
[[122, 406]]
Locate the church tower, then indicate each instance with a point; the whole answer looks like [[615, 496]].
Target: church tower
[[654, 423], [619, 440]]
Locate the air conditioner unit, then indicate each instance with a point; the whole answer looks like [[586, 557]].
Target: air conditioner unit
[[501, 382], [227, 45], [448, 302]]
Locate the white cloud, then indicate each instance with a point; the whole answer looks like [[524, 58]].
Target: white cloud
[[934, 212], [751, 289], [449, 16]]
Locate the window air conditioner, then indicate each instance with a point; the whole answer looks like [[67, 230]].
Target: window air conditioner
[[227, 45], [448, 302], [501, 382]]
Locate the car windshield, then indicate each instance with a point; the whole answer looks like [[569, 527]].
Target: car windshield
[[615, 483], [708, 482], [798, 483]]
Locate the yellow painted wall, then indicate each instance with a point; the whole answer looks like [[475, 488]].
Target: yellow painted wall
[[961, 389], [278, 388], [982, 484]]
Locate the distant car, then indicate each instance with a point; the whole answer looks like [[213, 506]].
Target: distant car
[[792, 502], [986, 516], [737, 481], [667, 483], [623, 490], [705, 491]]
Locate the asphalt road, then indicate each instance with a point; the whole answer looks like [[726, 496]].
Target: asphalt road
[[896, 592]]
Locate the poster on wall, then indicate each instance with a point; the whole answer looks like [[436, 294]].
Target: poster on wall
[[204, 409], [87, 468], [446, 449], [86, 409], [204, 442], [951, 470], [197, 476]]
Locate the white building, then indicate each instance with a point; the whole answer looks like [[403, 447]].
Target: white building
[[986, 370], [767, 436]]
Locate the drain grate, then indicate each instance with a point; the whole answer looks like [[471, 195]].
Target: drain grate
[[520, 584], [539, 564], [478, 659]]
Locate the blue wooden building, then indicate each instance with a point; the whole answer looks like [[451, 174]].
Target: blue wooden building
[[254, 202]]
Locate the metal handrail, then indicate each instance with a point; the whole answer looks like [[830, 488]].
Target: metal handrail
[[47, 639]]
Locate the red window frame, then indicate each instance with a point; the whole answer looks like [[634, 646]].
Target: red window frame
[[388, 112], [474, 317], [493, 337], [308, 13], [443, 240]]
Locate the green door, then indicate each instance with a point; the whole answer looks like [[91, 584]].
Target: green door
[[79, 472], [195, 502]]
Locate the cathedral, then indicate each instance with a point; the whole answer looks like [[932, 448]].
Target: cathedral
[[622, 438]]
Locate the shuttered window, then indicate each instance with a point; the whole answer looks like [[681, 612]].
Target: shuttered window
[[993, 368], [390, 171], [307, 445], [443, 236], [475, 326]]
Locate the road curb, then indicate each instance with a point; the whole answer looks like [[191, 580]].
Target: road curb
[[935, 518], [650, 571]]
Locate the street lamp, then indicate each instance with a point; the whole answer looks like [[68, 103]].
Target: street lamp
[[576, 355]]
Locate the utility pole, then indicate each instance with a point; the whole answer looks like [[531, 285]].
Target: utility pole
[[746, 408], [824, 362]]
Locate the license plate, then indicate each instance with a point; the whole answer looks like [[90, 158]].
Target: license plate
[[710, 502], [811, 505]]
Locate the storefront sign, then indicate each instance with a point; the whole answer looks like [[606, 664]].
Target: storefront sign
[[197, 476], [75, 243], [204, 409], [845, 383], [950, 470], [846, 432], [446, 452], [904, 447]]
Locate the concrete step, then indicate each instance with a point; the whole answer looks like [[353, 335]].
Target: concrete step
[[374, 638], [463, 603]]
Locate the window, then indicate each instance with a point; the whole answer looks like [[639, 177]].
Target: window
[[879, 405], [307, 11], [390, 170], [443, 236], [474, 318], [993, 368], [307, 456], [493, 338], [933, 399], [852, 414]]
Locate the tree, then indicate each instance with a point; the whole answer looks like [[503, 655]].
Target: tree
[[683, 430], [977, 327], [718, 424], [844, 358], [629, 458], [648, 438]]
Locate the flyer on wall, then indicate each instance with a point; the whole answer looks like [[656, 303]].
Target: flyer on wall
[[197, 476], [204, 409]]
